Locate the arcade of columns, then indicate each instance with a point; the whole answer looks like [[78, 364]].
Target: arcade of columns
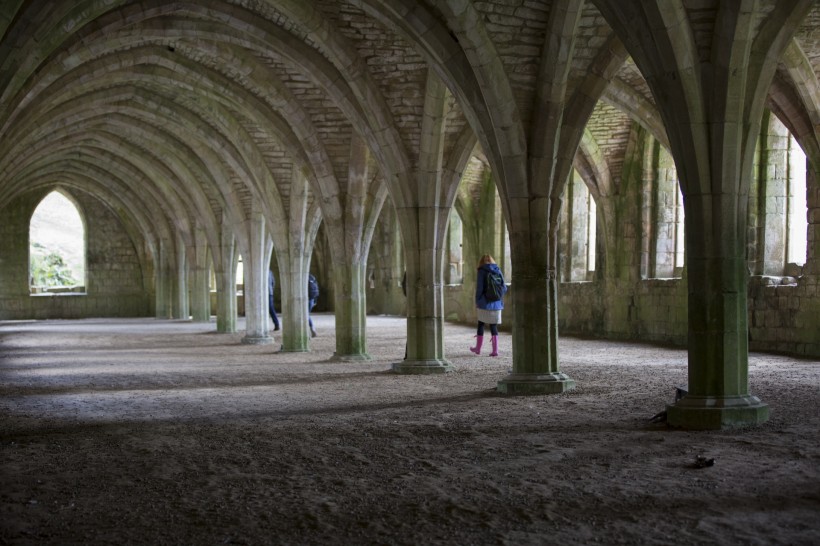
[[215, 129]]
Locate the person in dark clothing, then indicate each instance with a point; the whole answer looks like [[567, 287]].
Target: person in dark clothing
[[271, 306], [313, 296], [488, 310]]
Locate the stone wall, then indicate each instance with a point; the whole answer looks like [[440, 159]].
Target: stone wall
[[783, 315], [114, 278]]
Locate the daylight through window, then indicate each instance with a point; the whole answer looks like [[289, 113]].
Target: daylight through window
[[56, 247]]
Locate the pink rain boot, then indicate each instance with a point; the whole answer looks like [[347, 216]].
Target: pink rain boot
[[495, 346], [479, 341]]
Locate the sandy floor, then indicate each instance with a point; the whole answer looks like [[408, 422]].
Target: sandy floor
[[152, 432]]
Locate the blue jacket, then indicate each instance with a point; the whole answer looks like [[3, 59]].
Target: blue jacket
[[480, 301]]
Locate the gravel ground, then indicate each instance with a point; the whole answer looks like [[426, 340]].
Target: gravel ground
[[140, 431]]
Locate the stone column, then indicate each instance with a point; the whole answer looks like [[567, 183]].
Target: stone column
[[425, 310], [180, 308], [809, 307], [226, 283], [294, 262], [535, 361], [294, 318], [715, 103], [348, 250], [256, 283], [199, 279], [718, 324], [351, 311], [423, 215], [164, 280]]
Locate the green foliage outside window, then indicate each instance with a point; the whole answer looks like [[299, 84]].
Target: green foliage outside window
[[50, 269]]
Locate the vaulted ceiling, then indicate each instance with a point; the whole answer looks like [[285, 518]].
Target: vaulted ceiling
[[185, 113]]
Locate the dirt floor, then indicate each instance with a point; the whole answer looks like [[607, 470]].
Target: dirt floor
[[163, 432]]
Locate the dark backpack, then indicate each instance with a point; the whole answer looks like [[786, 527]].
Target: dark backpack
[[313, 287], [494, 286]]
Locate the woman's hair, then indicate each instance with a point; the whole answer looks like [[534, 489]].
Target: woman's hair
[[486, 259]]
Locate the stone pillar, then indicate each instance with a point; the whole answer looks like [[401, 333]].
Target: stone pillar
[[164, 280], [812, 266], [718, 324], [423, 219], [806, 319], [351, 311], [294, 318], [180, 309], [350, 265], [715, 102], [294, 262], [256, 283], [199, 279], [425, 306], [226, 284], [534, 305]]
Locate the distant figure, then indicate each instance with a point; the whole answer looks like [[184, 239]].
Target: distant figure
[[489, 293], [313, 295], [271, 306]]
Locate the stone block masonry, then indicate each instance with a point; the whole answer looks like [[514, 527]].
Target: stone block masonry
[[114, 273]]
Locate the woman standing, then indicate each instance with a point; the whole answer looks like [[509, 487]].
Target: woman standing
[[489, 293]]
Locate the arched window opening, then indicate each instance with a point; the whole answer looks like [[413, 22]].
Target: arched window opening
[[577, 232], [796, 242], [507, 259], [57, 247], [779, 214], [592, 236], [666, 232], [454, 261], [240, 274], [679, 235], [239, 280]]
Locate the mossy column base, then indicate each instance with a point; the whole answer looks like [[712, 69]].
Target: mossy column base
[[351, 313], [257, 340], [716, 413], [425, 367], [358, 357], [535, 383], [282, 349]]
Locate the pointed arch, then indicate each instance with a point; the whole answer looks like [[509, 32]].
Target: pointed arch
[[57, 245]]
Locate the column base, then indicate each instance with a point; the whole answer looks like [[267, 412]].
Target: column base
[[283, 350], [716, 413], [359, 357], [535, 383], [422, 366], [257, 340]]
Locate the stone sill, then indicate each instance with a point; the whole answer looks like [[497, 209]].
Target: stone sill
[[57, 294]]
